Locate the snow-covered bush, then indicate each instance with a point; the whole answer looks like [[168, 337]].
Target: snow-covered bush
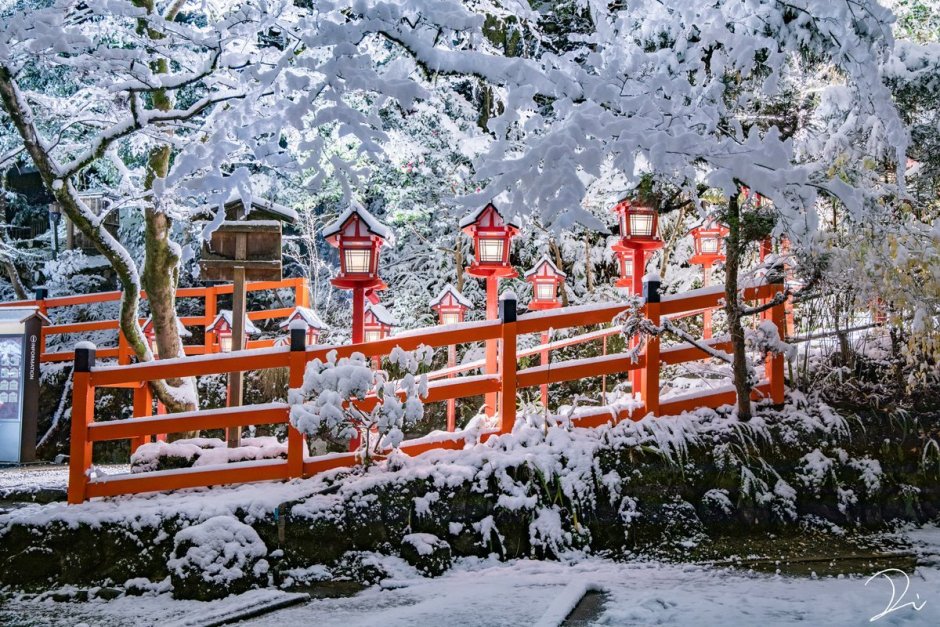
[[335, 397], [216, 558]]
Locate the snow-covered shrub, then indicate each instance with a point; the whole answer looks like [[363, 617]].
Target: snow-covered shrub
[[426, 552], [216, 558], [330, 402]]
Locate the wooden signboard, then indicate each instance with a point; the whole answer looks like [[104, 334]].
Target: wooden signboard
[[252, 245]]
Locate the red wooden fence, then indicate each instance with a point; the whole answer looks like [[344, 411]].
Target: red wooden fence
[[122, 352], [505, 381]]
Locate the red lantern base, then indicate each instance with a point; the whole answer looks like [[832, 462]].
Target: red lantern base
[[638, 244], [483, 272], [541, 305], [706, 260], [348, 283]]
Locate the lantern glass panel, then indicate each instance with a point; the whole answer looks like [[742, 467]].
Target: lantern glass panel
[[626, 266], [545, 290], [372, 335], [641, 224], [710, 245], [491, 250], [358, 260], [450, 317], [225, 342], [153, 347]]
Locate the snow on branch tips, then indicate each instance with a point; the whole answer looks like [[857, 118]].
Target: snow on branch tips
[[342, 398]]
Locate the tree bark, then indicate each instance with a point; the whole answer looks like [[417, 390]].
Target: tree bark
[[735, 246], [556, 251]]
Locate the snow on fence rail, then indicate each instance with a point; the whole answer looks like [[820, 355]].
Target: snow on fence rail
[[505, 380], [122, 352]]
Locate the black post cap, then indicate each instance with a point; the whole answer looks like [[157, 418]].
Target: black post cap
[[41, 293], [298, 338], [651, 290], [84, 357], [507, 308]]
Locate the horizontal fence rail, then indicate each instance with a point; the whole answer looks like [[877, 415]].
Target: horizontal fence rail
[[502, 380]]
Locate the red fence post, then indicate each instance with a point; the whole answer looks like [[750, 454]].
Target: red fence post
[[83, 414], [44, 310], [211, 312], [143, 408], [298, 363], [650, 378], [507, 363], [492, 295], [302, 293], [774, 364]]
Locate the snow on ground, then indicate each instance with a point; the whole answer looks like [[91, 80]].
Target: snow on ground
[[32, 478], [486, 592]]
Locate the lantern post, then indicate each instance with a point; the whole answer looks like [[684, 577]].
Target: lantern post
[[492, 237], [709, 239], [451, 307], [546, 280], [638, 235], [358, 236]]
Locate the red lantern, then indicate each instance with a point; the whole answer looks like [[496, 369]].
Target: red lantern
[[450, 305], [222, 327], [310, 318], [708, 238], [638, 225], [492, 237], [151, 335], [546, 279], [358, 236], [625, 263], [378, 323]]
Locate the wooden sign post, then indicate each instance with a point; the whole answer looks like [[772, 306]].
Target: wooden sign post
[[237, 252]]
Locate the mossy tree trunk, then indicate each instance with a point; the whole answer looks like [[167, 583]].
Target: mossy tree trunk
[[735, 249]]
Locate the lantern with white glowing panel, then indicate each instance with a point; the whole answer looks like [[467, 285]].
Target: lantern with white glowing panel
[[546, 280], [450, 305]]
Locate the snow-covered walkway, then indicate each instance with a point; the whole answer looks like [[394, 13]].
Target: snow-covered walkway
[[526, 592]]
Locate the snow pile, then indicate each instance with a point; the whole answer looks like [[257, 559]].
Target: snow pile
[[191, 452], [215, 558]]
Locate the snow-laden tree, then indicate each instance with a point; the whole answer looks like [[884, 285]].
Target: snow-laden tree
[[184, 101], [761, 94]]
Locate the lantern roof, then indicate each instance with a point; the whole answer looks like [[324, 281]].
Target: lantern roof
[[541, 262], [225, 316], [471, 218], [452, 291], [309, 316], [381, 314], [182, 330], [372, 224], [709, 224]]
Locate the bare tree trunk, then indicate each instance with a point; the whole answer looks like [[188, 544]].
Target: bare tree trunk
[[588, 271], [742, 382], [80, 216], [458, 262], [671, 244], [556, 251], [18, 288]]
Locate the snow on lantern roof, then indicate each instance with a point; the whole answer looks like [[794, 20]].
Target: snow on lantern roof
[[309, 316], [356, 208], [457, 296], [382, 315], [538, 265], [182, 330], [474, 215], [226, 316]]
